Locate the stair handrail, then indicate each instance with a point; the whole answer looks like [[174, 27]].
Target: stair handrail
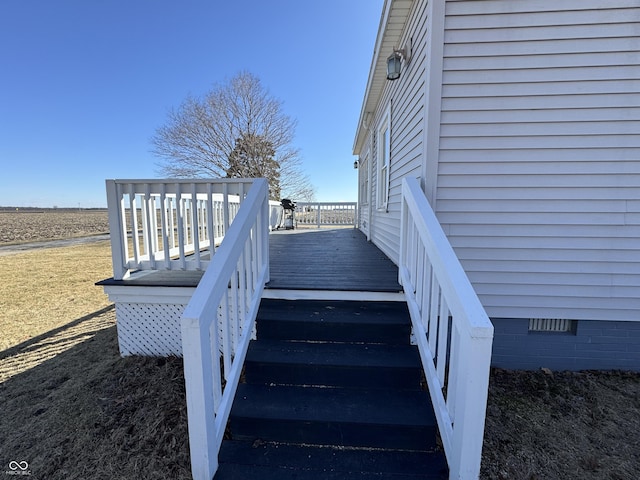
[[451, 328], [219, 321]]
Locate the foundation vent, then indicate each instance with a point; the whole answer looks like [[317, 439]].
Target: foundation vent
[[551, 325]]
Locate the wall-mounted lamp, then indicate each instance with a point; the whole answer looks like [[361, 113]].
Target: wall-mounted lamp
[[394, 62], [356, 164]]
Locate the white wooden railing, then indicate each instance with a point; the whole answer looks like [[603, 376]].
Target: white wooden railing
[[320, 214], [172, 224], [219, 321], [452, 331]]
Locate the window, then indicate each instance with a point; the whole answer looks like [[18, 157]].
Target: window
[[363, 171], [384, 154]]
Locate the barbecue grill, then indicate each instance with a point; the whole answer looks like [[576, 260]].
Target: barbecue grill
[[288, 217]]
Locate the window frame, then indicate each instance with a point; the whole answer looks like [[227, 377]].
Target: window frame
[[383, 137]]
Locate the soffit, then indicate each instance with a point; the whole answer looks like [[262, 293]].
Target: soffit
[[392, 23]]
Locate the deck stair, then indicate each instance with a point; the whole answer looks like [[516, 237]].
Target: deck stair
[[332, 390]]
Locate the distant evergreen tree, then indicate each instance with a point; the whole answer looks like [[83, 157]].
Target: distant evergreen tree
[[254, 156]]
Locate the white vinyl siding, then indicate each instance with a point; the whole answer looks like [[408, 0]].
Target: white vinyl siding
[[539, 172], [403, 100]]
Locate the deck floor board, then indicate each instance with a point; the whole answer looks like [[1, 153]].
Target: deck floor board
[[329, 259], [305, 259]]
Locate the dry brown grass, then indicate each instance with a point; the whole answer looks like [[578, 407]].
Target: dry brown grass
[[76, 410], [71, 407], [44, 289], [562, 426]]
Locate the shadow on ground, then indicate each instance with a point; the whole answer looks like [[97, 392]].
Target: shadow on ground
[[72, 408]]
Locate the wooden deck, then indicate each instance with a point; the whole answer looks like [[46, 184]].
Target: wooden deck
[[339, 260], [329, 259]]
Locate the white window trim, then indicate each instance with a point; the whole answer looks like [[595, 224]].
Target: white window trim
[[383, 135], [363, 173]]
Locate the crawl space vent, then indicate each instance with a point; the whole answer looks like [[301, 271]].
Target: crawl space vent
[[550, 325]]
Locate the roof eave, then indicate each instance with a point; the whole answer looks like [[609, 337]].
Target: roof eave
[[392, 21]]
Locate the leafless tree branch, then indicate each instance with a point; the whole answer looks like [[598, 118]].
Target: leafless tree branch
[[201, 137]]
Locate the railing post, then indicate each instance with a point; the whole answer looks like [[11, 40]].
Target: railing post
[[470, 409], [118, 231], [264, 243], [199, 377], [356, 215]]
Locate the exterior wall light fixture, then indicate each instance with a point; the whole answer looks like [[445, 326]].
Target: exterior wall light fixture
[[356, 164], [394, 62]]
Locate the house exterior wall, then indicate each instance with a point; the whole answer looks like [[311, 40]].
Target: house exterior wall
[[538, 184], [603, 345], [522, 121], [403, 101]]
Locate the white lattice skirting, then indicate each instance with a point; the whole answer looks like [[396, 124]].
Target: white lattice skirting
[[149, 329], [149, 318]]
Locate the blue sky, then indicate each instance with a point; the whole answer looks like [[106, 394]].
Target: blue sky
[[85, 84]]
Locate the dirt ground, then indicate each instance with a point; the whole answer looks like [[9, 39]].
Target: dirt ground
[[18, 225], [562, 425], [72, 408]]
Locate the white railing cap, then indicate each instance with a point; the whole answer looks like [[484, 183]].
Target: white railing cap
[[182, 180]]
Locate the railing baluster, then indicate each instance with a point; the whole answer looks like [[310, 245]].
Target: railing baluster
[[234, 310], [214, 339], [180, 212], [227, 314], [427, 274], [195, 226], [147, 223], [443, 335], [434, 307], [165, 226], [134, 224], [225, 209], [454, 371], [420, 270], [255, 249], [210, 221], [173, 219], [242, 294]]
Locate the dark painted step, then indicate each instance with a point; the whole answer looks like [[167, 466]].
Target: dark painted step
[[333, 364], [287, 462], [394, 419], [334, 321]]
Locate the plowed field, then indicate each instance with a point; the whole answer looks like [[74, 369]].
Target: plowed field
[[30, 225]]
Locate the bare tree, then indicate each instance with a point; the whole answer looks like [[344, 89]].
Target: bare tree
[[230, 132]]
